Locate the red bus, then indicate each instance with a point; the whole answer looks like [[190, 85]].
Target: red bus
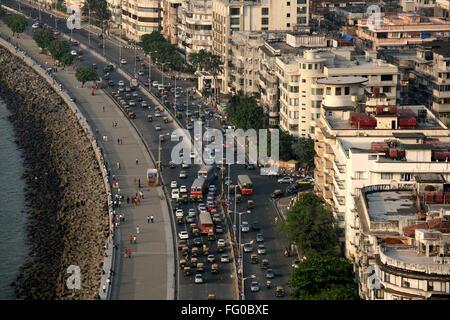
[[205, 223], [245, 184], [206, 172], [197, 189]]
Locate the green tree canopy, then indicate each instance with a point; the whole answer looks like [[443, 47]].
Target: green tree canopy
[[58, 48], [310, 225], [67, 59], [85, 74], [304, 151], [161, 51], [43, 38], [99, 10], [323, 278], [286, 141], [16, 23], [243, 111]]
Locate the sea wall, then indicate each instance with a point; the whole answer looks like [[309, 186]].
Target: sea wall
[[68, 220]]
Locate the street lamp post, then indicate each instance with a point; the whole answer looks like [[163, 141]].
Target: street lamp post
[[135, 69], [89, 29], [149, 71]]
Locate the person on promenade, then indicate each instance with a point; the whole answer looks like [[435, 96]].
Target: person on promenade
[[134, 239], [137, 229], [137, 161], [118, 165], [131, 239], [126, 253], [148, 219], [123, 217], [128, 199], [152, 218], [104, 288], [118, 141], [129, 254], [138, 201]]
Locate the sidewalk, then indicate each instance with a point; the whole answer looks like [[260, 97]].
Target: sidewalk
[[149, 273]]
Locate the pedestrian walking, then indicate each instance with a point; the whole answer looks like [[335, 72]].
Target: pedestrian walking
[[118, 141], [137, 161], [104, 288], [134, 239], [123, 217], [108, 282], [126, 253], [137, 229], [118, 165], [131, 239], [113, 124], [138, 201], [148, 219], [141, 194], [129, 254], [128, 199], [120, 218], [134, 180], [139, 183], [152, 218]]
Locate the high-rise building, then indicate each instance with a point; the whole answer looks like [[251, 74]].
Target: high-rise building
[[256, 15], [140, 17], [170, 19]]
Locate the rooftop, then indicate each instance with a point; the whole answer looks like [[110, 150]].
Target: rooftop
[[390, 205]]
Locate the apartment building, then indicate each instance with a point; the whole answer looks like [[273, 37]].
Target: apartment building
[[431, 77], [258, 15], [195, 30], [402, 250], [115, 6], [301, 93], [140, 17], [354, 137], [401, 30], [170, 19]]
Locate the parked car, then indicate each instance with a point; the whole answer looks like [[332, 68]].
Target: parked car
[[245, 227], [248, 247], [286, 180]]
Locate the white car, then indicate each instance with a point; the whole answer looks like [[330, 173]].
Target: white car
[[224, 258], [157, 114], [245, 227], [173, 184], [174, 136], [183, 189], [221, 242], [73, 52], [123, 61], [183, 235], [285, 180], [182, 174], [198, 278], [179, 213], [155, 83], [192, 155], [175, 194], [185, 165], [36, 25], [191, 212], [121, 83]]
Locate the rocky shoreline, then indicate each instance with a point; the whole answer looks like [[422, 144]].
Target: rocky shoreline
[[68, 215]]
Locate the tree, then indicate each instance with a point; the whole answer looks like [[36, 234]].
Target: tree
[[85, 74], [304, 151], [311, 226], [161, 51], [67, 59], [286, 141], [43, 38], [323, 278], [16, 23], [99, 11], [58, 48], [243, 111]]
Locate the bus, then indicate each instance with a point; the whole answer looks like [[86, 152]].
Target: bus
[[197, 189], [245, 184], [205, 223], [206, 172]]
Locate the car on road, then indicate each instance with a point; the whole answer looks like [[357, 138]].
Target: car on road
[[192, 155], [253, 258], [262, 249], [224, 258], [219, 229], [121, 89], [189, 126], [144, 104], [211, 258], [121, 83], [179, 213], [248, 247], [36, 25], [175, 194], [183, 235], [190, 219], [197, 242], [123, 61], [285, 180], [141, 72], [182, 175], [73, 52], [155, 83], [269, 274], [276, 194], [254, 286], [245, 227], [279, 292], [221, 243], [183, 189], [296, 264], [228, 181], [255, 226], [259, 237], [157, 114], [173, 184], [185, 165], [293, 188], [264, 264], [158, 127], [198, 278], [132, 103]]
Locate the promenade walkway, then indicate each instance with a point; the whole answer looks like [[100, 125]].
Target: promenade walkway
[[149, 273]]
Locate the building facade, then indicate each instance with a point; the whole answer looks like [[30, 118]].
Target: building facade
[[140, 17], [170, 20]]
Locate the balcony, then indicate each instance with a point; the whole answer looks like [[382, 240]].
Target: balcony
[[328, 164], [319, 150], [319, 163], [327, 193]]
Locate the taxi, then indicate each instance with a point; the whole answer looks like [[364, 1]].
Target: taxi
[[183, 263], [238, 197], [211, 236], [185, 198], [254, 258], [180, 220], [250, 204], [195, 252], [185, 250], [150, 118], [200, 267], [279, 291], [194, 262], [211, 296], [264, 264], [187, 271], [214, 268], [172, 164], [195, 232], [205, 250]]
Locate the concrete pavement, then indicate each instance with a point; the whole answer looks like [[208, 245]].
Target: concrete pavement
[[149, 274]]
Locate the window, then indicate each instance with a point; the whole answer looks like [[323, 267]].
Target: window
[[288, 3], [328, 91], [317, 91], [359, 175], [386, 77], [234, 21], [264, 21], [293, 89], [301, 10], [303, 80], [234, 11], [338, 91], [405, 177], [288, 15], [386, 89], [347, 91], [386, 176], [264, 11], [405, 283], [301, 1], [379, 294], [301, 20], [288, 25], [309, 66]]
